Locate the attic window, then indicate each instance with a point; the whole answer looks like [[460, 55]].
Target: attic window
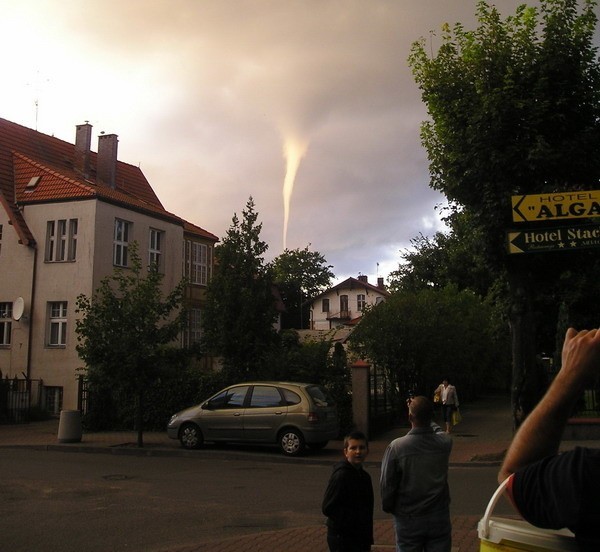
[[32, 184]]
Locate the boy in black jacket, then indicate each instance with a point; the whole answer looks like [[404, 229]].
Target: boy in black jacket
[[348, 500]]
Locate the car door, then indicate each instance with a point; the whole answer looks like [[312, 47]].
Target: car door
[[222, 415], [265, 413]]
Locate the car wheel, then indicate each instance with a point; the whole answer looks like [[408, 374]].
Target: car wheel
[[291, 442], [190, 436], [319, 445]]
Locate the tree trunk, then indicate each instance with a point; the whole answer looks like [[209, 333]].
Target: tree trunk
[[139, 418], [523, 337]]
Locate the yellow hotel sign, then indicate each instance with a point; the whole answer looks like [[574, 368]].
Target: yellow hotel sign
[[556, 206]]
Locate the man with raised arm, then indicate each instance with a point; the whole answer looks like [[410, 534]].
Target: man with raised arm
[[549, 489]]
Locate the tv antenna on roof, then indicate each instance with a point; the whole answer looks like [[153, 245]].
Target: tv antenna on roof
[[37, 89]]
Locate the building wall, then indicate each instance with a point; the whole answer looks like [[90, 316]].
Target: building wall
[[16, 271], [65, 281], [319, 319]]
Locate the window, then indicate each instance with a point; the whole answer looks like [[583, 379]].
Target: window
[[264, 397], [290, 397], [344, 306], [121, 242], [193, 332], [155, 244], [360, 300], [61, 240], [230, 398], [5, 323], [57, 324], [325, 305], [198, 262], [72, 254], [52, 399], [0, 238]]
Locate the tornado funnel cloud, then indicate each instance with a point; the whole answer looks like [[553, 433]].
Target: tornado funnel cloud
[[293, 150]]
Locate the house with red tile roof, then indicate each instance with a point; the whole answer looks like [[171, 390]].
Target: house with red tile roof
[[344, 303], [68, 216]]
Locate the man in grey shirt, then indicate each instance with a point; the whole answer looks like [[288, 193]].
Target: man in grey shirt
[[414, 483]]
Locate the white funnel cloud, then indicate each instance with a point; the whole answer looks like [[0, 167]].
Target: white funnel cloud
[[294, 150]]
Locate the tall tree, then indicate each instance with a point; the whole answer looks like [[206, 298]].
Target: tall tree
[[447, 258], [125, 330], [514, 110], [240, 312], [300, 275]]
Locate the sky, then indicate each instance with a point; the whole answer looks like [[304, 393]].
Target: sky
[[308, 106]]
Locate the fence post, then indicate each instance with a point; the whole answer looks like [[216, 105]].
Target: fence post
[[361, 371]]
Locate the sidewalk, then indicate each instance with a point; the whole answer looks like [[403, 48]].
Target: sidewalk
[[479, 440]]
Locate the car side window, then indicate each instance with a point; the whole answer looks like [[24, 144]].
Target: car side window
[[291, 398], [264, 396], [231, 398]]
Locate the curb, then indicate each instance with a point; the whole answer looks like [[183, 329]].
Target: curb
[[122, 450]]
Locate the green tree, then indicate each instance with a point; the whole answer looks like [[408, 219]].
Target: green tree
[[448, 258], [300, 275], [240, 312], [125, 331], [514, 109], [418, 337]]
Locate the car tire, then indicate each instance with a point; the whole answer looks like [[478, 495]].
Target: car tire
[[190, 436], [318, 446], [291, 442]]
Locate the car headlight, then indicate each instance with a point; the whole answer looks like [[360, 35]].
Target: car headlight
[[173, 418]]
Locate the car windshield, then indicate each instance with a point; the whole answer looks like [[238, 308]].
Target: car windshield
[[320, 395]]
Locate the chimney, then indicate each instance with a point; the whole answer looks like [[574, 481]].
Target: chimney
[[363, 278], [106, 162], [380, 283], [83, 141]]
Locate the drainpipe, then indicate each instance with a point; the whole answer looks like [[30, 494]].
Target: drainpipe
[[33, 286]]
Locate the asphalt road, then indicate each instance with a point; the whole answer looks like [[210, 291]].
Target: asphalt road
[[54, 501]]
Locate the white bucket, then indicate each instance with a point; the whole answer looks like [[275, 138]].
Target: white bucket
[[508, 535]]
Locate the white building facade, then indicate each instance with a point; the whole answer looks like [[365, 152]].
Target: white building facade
[[344, 303], [68, 217]]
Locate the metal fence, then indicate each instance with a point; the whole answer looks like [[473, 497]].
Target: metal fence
[[381, 409], [18, 397]]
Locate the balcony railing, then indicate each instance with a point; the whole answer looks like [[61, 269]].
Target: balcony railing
[[341, 315]]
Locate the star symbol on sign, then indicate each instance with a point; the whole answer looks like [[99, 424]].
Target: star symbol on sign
[[573, 244], [561, 244]]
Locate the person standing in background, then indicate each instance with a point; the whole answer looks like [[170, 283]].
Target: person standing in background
[[449, 402]]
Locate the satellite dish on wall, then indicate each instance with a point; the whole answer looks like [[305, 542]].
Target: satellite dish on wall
[[18, 308]]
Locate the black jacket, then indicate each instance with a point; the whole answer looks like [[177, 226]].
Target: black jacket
[[348, 503]]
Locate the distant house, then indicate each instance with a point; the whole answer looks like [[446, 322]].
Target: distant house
[[68, 216], [344, 303]]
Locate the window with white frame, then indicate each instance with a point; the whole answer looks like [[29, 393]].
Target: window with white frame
[[61, 240], [57, 323], [360, 302], [5, 323], [121, 242], [155, 245], [72, 250], [193, 332], [197, 262]]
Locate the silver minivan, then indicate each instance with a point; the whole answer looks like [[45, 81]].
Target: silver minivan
[[289, 414]]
